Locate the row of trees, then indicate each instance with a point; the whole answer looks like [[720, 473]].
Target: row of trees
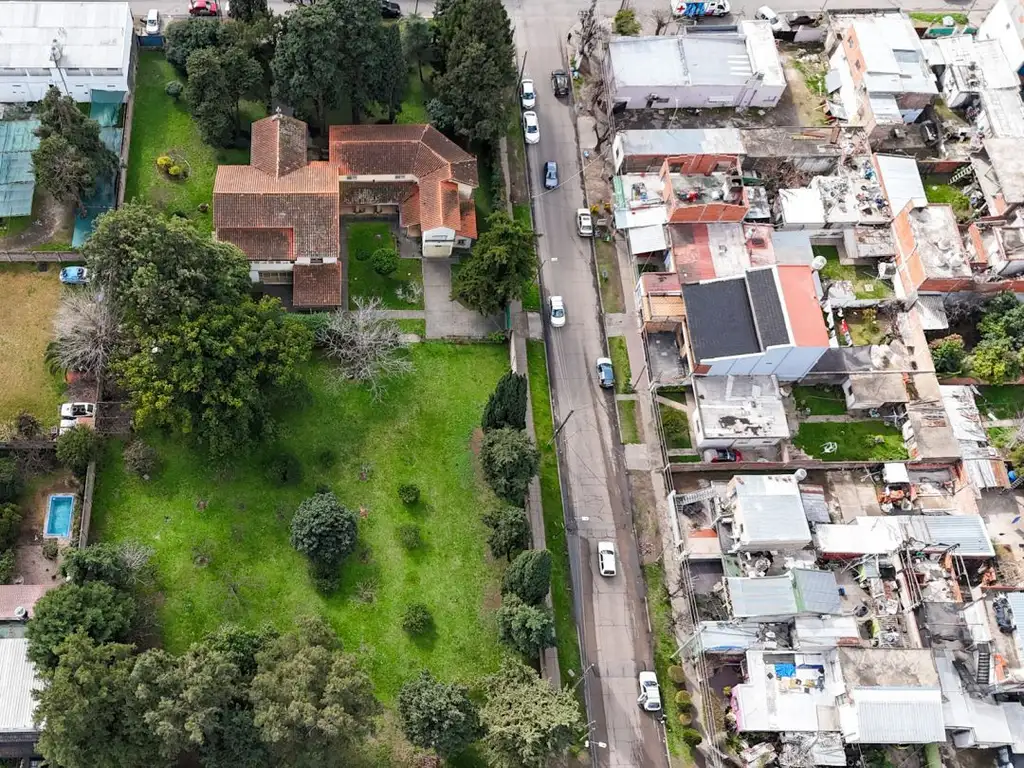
[[500, 266], [997, 358], [71, 157]]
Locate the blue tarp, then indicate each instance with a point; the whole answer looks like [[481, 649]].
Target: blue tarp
[[18, 141], [106, 111]]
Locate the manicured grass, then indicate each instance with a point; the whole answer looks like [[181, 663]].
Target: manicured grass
[[414, 105], [1003, 402], [365, 237], [419, 327], [856, 441], [928, 18], [665, 646], [554, 518], [221, 531], [866, 284], [163, 126], [676, 395], [629, 428], [820, 401], [685, 459], [676, 426], [608, 276], [938, 190], [28, 303], [620, 363]]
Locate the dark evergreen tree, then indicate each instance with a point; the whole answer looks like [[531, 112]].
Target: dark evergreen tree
[[438, 716], [510, 531], [526, 628], [506, 407], [529, 576], [509, 460]]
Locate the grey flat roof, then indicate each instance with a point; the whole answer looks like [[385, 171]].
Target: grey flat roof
[[769, 317], [704, 59], [17, 681], [719, 318], [681, 141], [816, 591], [717, 60], [762, 596]]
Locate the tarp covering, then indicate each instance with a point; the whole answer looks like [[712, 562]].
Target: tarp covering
[[106, 112], [17, 181]]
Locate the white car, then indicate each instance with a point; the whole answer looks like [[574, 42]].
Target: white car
[[77, 410], [531, 128], [153, 22], [557, 312], [650, 693], [776, 22], [527, 95], [584, 223], [606, 558]]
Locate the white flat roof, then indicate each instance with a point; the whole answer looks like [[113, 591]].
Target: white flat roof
[[802, 205], [91, 35], [17, 681], [901, 180], [647, 239]]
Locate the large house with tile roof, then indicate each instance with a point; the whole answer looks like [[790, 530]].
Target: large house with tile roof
[[284, 211]]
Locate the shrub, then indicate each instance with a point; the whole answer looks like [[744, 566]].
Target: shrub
[[7, 566], [691, 736], [175, 171], [994, 360], [683, 699], [409, 493], [506, 407], [323, 530], [948, 354], [164, 162], [10, 480], [509, 460], [410, 536], [325, 577], [140, 458], [174, 89], [77, 447], [677, 675], [685, 719], [327, 458], [416, 620], [625, 23], [529, 576], [384, 261], [316, 322], [284, 468], [10, 524], [51, 549]]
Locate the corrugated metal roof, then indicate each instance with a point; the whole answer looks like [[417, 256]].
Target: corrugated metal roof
[[17, 680], [720, 636], [770, 511], [815, 506], [899, 716], [816, 591], [764, 596], [901, 180], [967, 532], [647, 239]]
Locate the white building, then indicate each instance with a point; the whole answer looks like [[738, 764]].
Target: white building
[[18, 731], [739, 412], [79, 48], [709, 68], [1005, 24]]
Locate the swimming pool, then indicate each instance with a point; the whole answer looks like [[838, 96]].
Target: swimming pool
[[58, 515]]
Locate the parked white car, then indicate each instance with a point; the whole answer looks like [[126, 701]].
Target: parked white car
[[776, 22], [606, 558], [650, 693], [584, 223], [531, 128], [73, 414], [557, 312], [153, 22], [527, 94]]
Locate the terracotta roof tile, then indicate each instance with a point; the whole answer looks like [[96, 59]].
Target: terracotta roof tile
[[312, 218], [409, 214], [467, 209], [13, 596], [278, 145], [316, 286], [261, 244], [368, 193]]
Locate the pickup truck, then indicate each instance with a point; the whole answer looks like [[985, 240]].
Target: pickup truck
[[695, 10]]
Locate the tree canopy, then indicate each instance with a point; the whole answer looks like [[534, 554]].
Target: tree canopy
[[526, 628], [324, 530], [506, 407], [510, 531], [529, 576], [502, 263], [509, 461], [418, 41], [438, 716]]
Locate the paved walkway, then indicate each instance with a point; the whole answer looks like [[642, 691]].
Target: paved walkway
[[447, 318], [404, 314]]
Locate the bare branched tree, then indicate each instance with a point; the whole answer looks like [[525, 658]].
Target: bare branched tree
[[136, 557], [366, 345], [86, 333], [662, 18], [590, 29]]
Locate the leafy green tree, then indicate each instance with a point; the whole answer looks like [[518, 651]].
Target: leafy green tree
[[311, 701], [527, 721], [510, 531], [248, 11], [506, 407], [447, 20], [625, 23], [99, 610], [529, 576], [509, 461], [59, 116], [502, 263], [324, 530], [384, 261], [88, 711], [6, 566], [359, 42], [209, 99], [216, 376], [184, 37], [438, 716], [526, 628], [948, 354], [158, 270], [10, 524], [77, 447], [417, 619], [390, 70], [306, 72], [418, 41], [63, 171], [995, 361], [10, 479], [98, 562]]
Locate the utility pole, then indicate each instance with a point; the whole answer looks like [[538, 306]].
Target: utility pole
[[522, 69], [561, 426]]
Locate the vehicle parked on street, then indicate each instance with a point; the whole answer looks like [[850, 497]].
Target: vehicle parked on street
[[557, 311], [527, 94], [776, 22], [584, 223], [650, 693], [605, 373], [153, 22], [203, 8], [531, 128], [390, 10], [75, 276], [550, 174], [694, 10], [560, 83], [606, 558]]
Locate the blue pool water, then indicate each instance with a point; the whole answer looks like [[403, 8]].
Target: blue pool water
[[58, 516]]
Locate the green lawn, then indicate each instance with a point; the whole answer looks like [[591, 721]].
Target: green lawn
[[928, 18], [938, 190], [866, 284], [163, 126], [229, 558], [628, 420], [1004, 402], [365, 237], [419, 327], [608, 276], [414, 105], [676, 426], [857, 441], [820, 401], [620, 363], [554, 518]]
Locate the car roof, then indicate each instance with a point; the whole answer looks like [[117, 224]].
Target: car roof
[[604, 361], [526, 80], [606, 545], [556, 300], [530, 116], [648, 677]]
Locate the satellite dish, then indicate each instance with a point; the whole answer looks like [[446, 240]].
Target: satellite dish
[[800, 474], [818, 263], [21, 613]]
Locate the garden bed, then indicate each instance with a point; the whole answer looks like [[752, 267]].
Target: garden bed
[[620, 363], [629, 422], [863, 279], [365, 238], [676, 427], [608, 276], [820, 401]]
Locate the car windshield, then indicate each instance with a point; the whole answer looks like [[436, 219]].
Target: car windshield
[[527, 90], [531, 127], [558, 312]]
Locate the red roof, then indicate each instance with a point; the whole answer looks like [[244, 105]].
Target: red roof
[[316, 286], [802, 305], [17, 596]]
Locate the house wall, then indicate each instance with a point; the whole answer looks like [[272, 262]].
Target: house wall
[[910, 269], [692, 164], [1004, 23], [854, 56], [754, 94]]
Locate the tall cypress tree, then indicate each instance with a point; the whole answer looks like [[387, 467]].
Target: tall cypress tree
[[506, 406], [529, 576]]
